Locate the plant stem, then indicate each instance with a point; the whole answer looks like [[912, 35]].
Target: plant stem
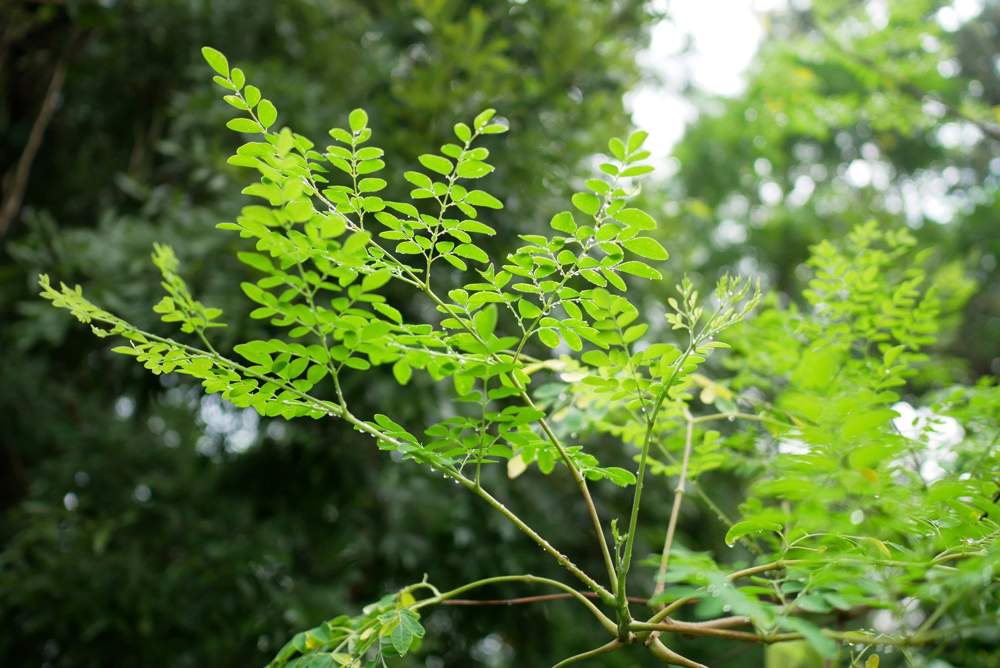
[[735, 575], [740, 416], [424, 286], [858, 637], [612, 646], [331, 409], [624, 617], [667, 655], [526, 600], [495, 503], [581, 484], [712, 505], [605, 621], [561, 558], [578, 478], [675, 511]]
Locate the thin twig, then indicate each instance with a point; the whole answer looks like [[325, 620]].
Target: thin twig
[[612, 646], [578, 478], [524, 600], [531, 579], [640, 478], [712, 505], [675, 511], [19, 181], [857, 637]]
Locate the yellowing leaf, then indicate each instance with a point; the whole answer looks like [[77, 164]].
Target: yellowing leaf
[[516, 466]]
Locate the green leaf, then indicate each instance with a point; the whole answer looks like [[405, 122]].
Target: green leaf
[[485, 321], [357, 120], [401, 639], [617, 148], [476, 227], [483, 118], [812, 603], [528, 309], [356, 241], [216, 60], [463, 132], [825, 646], [483, 198], [636, 140], [237, 76], [402, 372], [563, 222], [549, 337], [619, 476], [587, 203], [864, 422], [257, 261], [418, 179], [375, 280], [244, 125], [747, 527], [636, 218], [436, 163], [371, 185], [407, 629], [646, 247], [252, 95], [473, 169], [637, 170], [258, 352], [266, 113], [389, 312], [472, 252], [639, 269]]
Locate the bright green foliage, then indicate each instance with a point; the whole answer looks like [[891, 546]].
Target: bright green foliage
[[112, 177], [388, 627], [833, 487]]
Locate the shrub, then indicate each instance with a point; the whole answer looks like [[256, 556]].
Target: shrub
[[844, 514]]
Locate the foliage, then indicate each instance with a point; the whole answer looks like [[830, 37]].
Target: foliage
[[112, 177], [851, 111], [881, 531]]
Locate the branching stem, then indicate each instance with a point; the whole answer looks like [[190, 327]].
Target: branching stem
[[605, 621]]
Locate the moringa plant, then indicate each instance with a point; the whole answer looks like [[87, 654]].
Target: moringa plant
[[846, 531]]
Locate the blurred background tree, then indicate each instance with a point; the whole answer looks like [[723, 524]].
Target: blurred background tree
[[147, 525], [853, 111]]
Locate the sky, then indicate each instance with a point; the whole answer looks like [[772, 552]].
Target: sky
[[722, 50]]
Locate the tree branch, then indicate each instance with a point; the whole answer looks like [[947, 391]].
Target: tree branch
[[525, 600], [19, 180], [605, 621]]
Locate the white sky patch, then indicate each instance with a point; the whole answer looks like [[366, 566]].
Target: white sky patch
[[233, 429], [724, 37], [940, 432]]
